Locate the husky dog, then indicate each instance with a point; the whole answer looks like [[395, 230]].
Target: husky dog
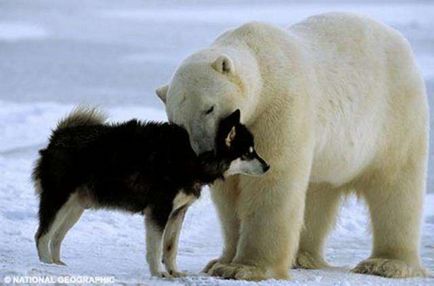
[[147, 168]]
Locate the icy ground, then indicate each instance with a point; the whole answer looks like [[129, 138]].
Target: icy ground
[[112, 244]]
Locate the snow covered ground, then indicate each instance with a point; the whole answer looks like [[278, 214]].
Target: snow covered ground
[[112, 244], [58, 53]]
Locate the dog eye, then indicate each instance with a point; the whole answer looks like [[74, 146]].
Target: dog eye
[[249, 153], [210, 110]]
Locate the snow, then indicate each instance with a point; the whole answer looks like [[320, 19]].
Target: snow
[[281, 13], [112, 244], [21, 31], [56, 54]]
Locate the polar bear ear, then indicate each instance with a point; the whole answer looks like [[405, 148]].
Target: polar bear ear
[[162, 92], [223, 64]]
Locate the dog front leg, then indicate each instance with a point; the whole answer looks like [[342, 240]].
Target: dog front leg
[[154, 236]]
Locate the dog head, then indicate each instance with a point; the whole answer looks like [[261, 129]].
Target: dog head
[[235, 143]]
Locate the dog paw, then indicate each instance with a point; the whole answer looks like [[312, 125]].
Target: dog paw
[[176, 274], [238, 272], [46, 260], [162, 274], [59, 262], [390, 268], [169, 274], [308, 261]]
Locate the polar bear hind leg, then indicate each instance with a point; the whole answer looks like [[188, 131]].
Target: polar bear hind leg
[[395, 203]]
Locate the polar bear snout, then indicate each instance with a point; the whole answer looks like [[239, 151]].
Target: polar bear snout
[[202, 132], [201, 142]]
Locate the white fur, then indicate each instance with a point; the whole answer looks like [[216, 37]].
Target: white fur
[[172, 232], [71, 218], [153, 247], [246, 167], [170, 241], [336, 104], [182, 199]]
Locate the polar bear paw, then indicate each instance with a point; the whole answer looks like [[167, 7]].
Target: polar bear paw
[[391, 268], [238, 272], [210, 264], [308, 261]]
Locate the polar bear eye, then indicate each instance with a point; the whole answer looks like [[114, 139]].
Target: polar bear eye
[[210, 110]]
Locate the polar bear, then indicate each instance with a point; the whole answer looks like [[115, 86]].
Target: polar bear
[[337, 105]]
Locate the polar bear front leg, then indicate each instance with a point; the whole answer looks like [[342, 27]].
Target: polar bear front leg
[[225, 196], [271, 215]]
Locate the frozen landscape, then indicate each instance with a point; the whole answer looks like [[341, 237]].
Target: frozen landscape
[[55, 54]]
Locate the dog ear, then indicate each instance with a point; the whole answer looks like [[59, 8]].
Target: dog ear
[[162, 92], [234, 118], [223, 64], [230, 137]]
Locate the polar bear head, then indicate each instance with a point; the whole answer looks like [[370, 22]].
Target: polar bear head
[[205, 88]]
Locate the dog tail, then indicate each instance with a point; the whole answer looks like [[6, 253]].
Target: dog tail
[[82, 116]]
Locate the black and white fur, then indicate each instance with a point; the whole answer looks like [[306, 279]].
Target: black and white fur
[[147, 168]]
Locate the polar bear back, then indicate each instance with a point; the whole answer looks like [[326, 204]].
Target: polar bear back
[[363, 81]]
